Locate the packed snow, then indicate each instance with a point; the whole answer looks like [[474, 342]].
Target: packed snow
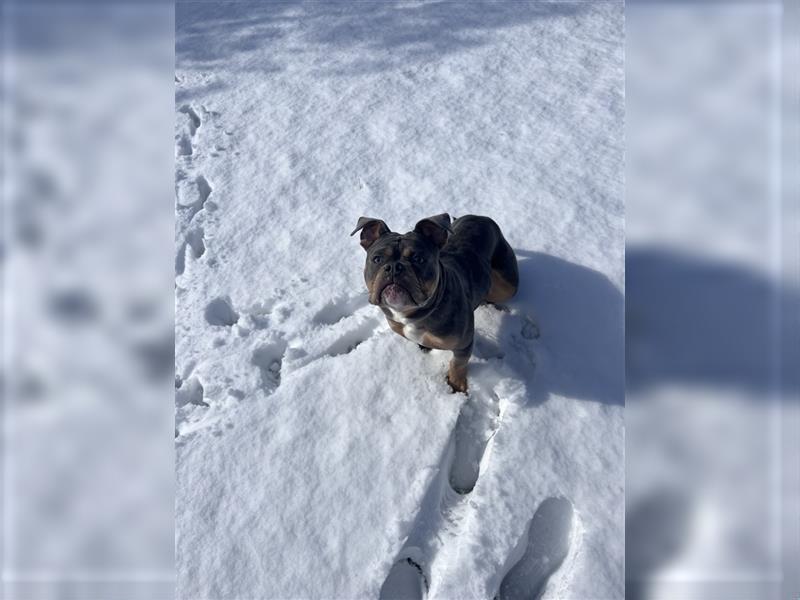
[[319, 453]]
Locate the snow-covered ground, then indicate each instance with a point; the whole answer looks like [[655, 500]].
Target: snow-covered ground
[[316, 449]]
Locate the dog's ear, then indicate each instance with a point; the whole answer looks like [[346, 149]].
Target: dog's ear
[[435, 228], [371, 230]]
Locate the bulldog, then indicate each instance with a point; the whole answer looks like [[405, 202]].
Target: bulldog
[[429, 281]]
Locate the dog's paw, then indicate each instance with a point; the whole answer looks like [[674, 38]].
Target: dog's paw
[[457, 384]]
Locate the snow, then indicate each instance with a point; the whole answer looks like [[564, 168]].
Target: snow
[[315, 448]]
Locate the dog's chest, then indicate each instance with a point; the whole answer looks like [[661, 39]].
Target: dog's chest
[[415, 334], [406, 328]]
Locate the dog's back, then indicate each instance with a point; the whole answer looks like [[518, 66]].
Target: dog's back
[[477, 248]]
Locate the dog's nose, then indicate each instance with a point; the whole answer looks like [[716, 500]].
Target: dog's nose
[[396, 267]]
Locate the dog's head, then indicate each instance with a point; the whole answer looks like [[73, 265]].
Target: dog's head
[[402, 270]]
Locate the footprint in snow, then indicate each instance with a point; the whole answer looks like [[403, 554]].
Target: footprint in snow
[[189, 392], [194, 118], [203, 189], [220, 312], [192, 196], [530, 330], [546, 546], [476, 426], [406, 581], [268, 358]]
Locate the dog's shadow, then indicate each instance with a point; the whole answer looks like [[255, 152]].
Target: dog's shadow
[[579, 313]]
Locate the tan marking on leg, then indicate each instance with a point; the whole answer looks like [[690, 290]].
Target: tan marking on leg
[[457, 375], [501, 290], [440, 343]]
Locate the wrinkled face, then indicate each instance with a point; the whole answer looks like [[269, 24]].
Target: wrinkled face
[[401, 271]]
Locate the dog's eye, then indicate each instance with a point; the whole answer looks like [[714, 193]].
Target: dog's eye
[[418, 259], [377, 260]]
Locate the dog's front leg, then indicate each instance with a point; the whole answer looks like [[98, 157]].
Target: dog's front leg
[[457, 373]]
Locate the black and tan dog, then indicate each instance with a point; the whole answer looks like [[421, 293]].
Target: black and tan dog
[[429, 281]]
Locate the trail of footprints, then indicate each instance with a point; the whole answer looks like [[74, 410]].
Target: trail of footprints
[[193, 190], [544, 546], [446, 510], [542, 549], [194, 208], [339, 327], [341, 324]]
